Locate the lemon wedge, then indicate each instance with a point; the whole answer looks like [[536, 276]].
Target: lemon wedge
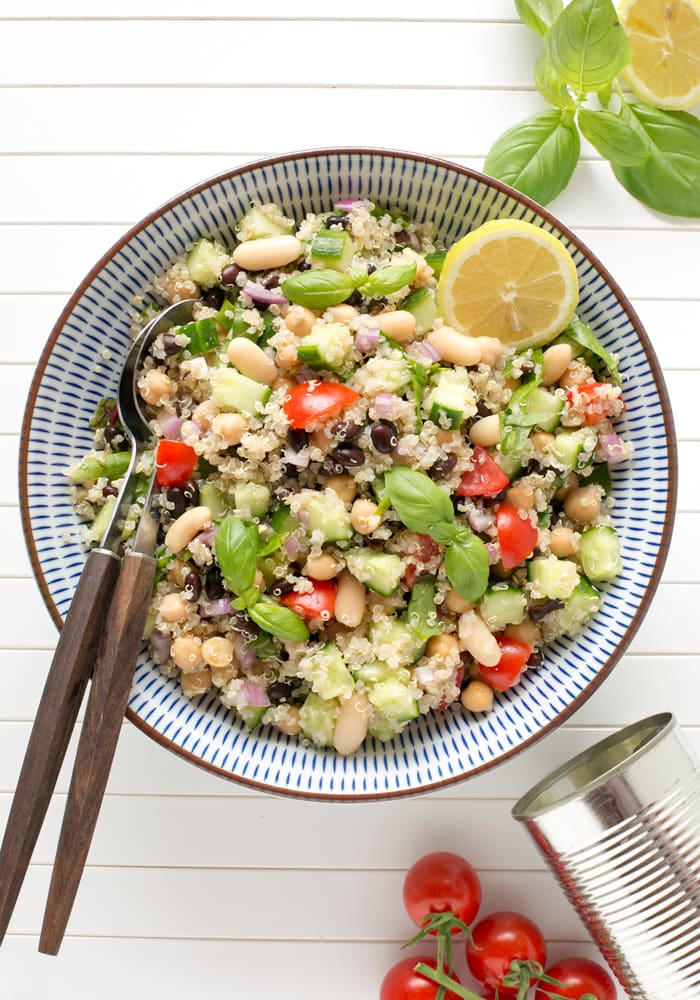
[[665, 37], [511, 280]]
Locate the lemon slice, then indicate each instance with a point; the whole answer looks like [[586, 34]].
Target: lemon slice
[[511, 280], [665, 37]]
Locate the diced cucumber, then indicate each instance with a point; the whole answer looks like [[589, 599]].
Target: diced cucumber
[[261, 221], [394, 699], [553, 578], [202, 336], [211, 496], [327, 673], [600, 553], [332, 248], [375, 671], [502, 605], [546, 407], [252, 715], [392, 374], [584, 602], [451, 400], [568, 450], [381, 727], [251, 499], [227, 314], [326, 513], [399, 637], [511, 464], [380, 571], [98, 527], [436, 259], [205, 262], [423, 306], [233, 391], [317, 719], [328, 346]]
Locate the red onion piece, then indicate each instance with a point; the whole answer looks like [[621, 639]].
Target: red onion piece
[[296, 458], [266, 296], [221, 606], [612, 448], [244, 653], [304, 374], [291, 545], [347, 204], [160, 647], [367, 339], [207, 536], [427, 351], [385, 404], [189, 427], [494, 552], [169, 424], [481, 520], [250, 694]]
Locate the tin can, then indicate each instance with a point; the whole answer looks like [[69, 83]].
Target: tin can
[[619, 825]]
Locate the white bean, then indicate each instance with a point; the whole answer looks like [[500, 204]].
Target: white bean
[[351, 724], [272, 251], [455, 347], [349, 600], [181, 532], [555, 360], [486, 432], [398, 324], [251, 360], [477, 639], [491, 349]]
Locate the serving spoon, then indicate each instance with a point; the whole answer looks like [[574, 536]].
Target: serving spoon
[[108, 613]]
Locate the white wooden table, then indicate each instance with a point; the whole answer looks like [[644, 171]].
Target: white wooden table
[[196, 887]]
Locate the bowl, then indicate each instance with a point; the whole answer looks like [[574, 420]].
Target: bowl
[[80, 365]]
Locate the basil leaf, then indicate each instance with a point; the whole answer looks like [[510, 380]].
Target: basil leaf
[[669, 179], [538, 14], [102, 414], [550, 84], [467, 567], [443, 532], [588, 45], [388, 280], [279, 621], [421, 614], [236, 547], [318, 289], [418, 501], [274, 542], [537, 156], [614, 139], [581, 334]]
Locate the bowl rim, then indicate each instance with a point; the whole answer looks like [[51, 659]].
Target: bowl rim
[[477, 176]]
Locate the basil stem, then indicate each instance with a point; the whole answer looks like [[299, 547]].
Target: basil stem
[[279, 621], [418, 501], [236, 547], [318, 288], [387, 280]]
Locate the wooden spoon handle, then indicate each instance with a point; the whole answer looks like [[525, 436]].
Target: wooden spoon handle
[[55, 720], [109, 694]]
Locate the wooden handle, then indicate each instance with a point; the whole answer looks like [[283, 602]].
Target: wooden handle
[[55, 720], [109, 694]]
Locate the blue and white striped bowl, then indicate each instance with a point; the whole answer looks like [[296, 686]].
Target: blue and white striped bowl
[[73, 376]]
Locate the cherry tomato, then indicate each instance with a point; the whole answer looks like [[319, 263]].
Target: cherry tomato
[[175, 462], [316, 400], [517, 536], [595, 401], [498, 940], [439, 882], [485, 478], [508, 670], [578, 976], [316, 603], [402, 983]]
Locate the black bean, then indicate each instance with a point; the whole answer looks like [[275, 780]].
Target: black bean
[[483, 409], [240, 622], [193, 583], [291, 471], [213, 298], [214, 584], [111, 433], [371, 268], [191, 493], [279, 691], [170, 345], [229, 274], [527, 367], [110, 491], [346, 430], [402, 238], [355, 299], [374, 306], [272, 282], [281, 587], [337, 220], [349, 456], [297, 438], [385, 436], [536, 658], [304, 266], [541, 611], [175, 496], [443, 467]]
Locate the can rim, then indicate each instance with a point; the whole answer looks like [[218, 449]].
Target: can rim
[[602, 760]]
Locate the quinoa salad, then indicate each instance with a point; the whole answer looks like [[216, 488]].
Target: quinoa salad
[[366, 515]]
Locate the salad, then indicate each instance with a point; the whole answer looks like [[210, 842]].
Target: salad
[[366, 514]]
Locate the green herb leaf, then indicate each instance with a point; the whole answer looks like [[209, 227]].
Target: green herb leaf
[[614, 138], [279, 621], [274, 541], [236, 547], [538, 155], [318, 289], [538, 14], [581, 334], [588, 45], [550, 84], [516, 421], [669, 179], [103, 410], [467, 567], [388, 280], [443, 532], [421, 614], [418, 501]]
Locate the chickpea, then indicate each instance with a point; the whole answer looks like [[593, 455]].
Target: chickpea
[[555, 360], [444, 437], [178, 288], [577, 373], [526, 631], [173, 608], [323, 567], [289, 723], [217, 651], [584, 504], [562, 542], [477, 697], [222, 675], [541, 440], [230, 426], [196, 683], [457, 604], [444, 646], [155, 387], [570, 483], [365, 517], [286, 359], [299, 320], [521, 496], [342, 313], [186, 652], [344, 486], [284, 383]]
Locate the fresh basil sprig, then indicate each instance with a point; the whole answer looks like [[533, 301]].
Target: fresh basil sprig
[[237, 549], [581, 334], [388, 280], [467, 567], [654, 153], [319, 288]]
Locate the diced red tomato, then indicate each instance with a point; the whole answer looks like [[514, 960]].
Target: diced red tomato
[[507, 672], [485, 478], [597, 401], [517, 536], [316, 400], [426, 551], [317, 603], [175, 462]]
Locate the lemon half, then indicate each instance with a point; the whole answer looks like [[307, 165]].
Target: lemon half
[[511, 280], [665, 37]]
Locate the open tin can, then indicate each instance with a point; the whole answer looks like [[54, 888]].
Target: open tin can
[[619, 825]]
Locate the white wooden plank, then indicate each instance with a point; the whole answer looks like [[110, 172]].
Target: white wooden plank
[[14, 388], [9, 451], [16, 559], [28, 320]]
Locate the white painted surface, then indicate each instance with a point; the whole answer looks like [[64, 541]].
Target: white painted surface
[[196, 887]]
